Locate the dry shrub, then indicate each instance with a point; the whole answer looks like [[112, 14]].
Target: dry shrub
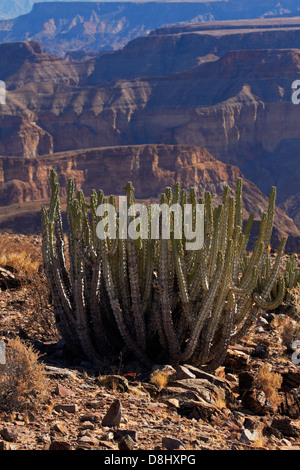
[[160, 378], [23, 381], [20, 253], [23, 255], [269, 382], [290, 332], [39, 320]]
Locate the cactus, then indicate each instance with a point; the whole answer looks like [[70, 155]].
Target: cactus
[[290, 301], [151, 297]]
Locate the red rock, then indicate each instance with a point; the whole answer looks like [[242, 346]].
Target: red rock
[[72, 408], [62, 391], [60, 445]]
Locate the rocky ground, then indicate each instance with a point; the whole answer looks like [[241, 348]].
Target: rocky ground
[[237, 408]]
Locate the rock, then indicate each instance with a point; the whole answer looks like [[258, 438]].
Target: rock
[[88, 440], [59, 373], [60, 445], [291, 379], [91, 417], [249, 436], [246, 380], [126, 443], [60, 428], [183, 372], [87, 425], [202, 388], [261, 351], [261, 321], [9, 435], [31, 417], [201, 374], [286, 442], [8, 280], [236, 361], [170, 443], [198, 409], [113, 415], [119, 433], [62, 391], [256, 401], [172, 402], [72, 408], [231, 378], [286, 426], [4, 445], [290, 405]]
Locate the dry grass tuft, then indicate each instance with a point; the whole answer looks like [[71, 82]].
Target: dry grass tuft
[[269, 382], [23, 382], [160, 378], [290, 331], [23, 256], [20, 253]]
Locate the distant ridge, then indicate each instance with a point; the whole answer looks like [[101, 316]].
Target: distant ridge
[[84, 25]]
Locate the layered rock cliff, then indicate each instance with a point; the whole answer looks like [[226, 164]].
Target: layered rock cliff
[[236, 104], [151, 168], [82, 25]]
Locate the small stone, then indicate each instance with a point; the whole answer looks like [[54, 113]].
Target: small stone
[[60, 445], [91, 417], [126, 443], [31, 417], [248, 436], [4, 445], [108, 436], [90, 440], [183, 372], [171, 444], [286, 442], [261, 351], [119, 433], [231, 378], [87, 425], [60, 427], [172, 403], [62, 391], [96, 404], [113, 415], [246, 380], [261, 321], [8, 435], [67, 408]]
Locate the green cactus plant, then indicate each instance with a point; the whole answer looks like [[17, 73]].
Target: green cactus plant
[[290, 302], [151, 296]]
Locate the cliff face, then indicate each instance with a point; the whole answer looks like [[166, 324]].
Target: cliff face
[[62, 26], [151, 168], [236, 104]]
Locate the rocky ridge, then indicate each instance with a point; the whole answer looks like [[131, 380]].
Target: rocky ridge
[[82, 25]]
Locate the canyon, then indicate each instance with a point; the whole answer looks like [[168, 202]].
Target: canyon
[[87, 26], [224, 87], [25, 183]]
